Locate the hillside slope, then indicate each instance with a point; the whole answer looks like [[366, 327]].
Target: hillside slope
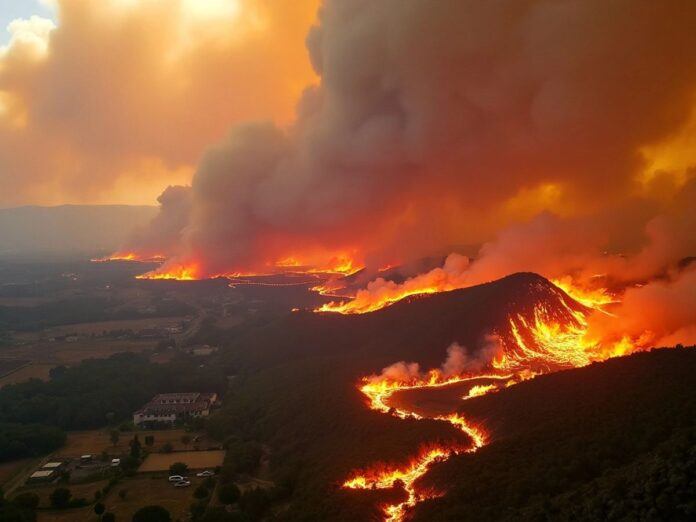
[[296, 390], [611, 441]]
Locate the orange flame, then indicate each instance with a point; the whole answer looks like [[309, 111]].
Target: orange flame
[[536, 345], [129, 256], [177, 272]]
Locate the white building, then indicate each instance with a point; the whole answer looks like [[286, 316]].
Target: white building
[[171, 407]]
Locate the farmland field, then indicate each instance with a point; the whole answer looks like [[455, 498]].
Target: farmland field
[[140, 491], [193, 459], [31, 371], [95, 441]]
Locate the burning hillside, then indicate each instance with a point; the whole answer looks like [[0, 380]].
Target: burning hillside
[[543, 330]]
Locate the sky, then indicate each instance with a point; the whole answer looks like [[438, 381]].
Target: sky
[[318, 131], [121, 98], [12, 9]]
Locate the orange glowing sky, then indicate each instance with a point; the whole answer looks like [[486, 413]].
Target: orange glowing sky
[[119, 98]]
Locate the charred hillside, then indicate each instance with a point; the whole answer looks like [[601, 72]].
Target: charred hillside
[[612, 441], [297, 391], [416, 329]]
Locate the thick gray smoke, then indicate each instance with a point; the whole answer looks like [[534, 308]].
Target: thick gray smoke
[[441, 123]]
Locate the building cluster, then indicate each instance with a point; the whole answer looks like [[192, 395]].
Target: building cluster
[[174, 407]]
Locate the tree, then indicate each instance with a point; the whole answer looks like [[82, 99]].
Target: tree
[[167, 447], [122, 494], [228, 493], [201, 492], [135, 447], [152, 514], [114, 437], [108, 517], [149, 440], [99, 508], [186, 440], [60, 497], [27, 500], [254, 502], [218, 515], [178, 468]]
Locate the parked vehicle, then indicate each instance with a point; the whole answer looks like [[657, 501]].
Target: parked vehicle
[[176, 478], [115, 463], [182, 484], [206, 473]]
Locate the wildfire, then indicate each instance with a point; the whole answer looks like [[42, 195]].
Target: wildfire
[[176, 272], [596, 298], [129, 256], [532, 344], [479, 390], [387, 477], [337, 264]]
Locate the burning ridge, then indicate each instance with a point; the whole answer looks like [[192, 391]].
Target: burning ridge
[[540, 329]]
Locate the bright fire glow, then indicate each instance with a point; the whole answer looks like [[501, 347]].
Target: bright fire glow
[[129, 256], [530, 346], [176, 272]]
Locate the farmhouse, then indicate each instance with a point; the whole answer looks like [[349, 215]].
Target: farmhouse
[[172, 407]]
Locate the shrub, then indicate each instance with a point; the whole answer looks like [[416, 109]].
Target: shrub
[[201, 492], [60, 497], [229, 493], [152, 514], [27, 500], [178, 468]]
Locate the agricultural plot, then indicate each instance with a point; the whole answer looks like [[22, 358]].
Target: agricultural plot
[[193, 459]]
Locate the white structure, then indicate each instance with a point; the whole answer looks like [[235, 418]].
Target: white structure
[[171, 407]]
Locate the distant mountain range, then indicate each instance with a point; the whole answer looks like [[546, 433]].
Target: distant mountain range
[[68, 231]]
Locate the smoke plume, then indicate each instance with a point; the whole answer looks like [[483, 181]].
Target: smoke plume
[[447, 123]]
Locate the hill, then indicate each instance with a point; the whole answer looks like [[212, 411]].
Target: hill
[[68, 231], [611, 441], [296, 392]]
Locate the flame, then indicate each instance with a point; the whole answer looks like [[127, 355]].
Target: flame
[[129, 256], [596, 298], [365, 302], [541, 342], [179, 272], [479, 390]]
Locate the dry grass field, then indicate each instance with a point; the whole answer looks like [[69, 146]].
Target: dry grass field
[[95, 441], [10, 469], [32, 371], [141, 491], [195, 460], [85, 491]]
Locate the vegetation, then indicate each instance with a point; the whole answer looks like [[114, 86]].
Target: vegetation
[[34, 414], [28, 440], [228, 493], [615, 441], [60, 498], [152, 514], [178, 468], [296, 394], [18, 509], [81, 310]]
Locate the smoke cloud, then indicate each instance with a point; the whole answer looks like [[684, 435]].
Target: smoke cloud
[[458, 362], [443, 124], [121, 98]]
